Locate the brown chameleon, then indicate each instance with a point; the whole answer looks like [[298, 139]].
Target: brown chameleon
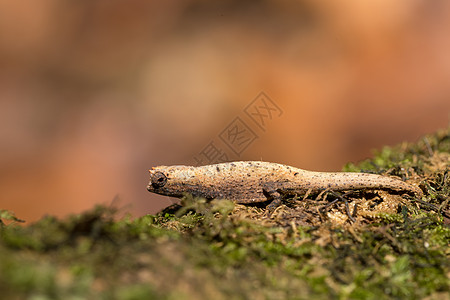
[[257, 181]]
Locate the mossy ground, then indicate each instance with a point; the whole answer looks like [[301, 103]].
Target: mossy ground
[[371, 246]]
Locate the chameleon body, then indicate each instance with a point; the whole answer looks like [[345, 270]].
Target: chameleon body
[[257, 181]]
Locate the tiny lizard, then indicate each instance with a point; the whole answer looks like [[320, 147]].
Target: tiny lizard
[[257, 181]]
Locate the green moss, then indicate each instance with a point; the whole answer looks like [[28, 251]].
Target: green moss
[[217, 250]]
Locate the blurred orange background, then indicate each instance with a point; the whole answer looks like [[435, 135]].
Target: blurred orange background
[[94, 93]]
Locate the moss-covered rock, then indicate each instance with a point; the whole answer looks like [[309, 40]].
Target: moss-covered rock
[[373, 245]]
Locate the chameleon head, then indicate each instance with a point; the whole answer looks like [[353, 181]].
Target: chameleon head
[[168, 180]]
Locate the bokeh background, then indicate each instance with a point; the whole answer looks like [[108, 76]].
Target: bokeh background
[[93, 93]]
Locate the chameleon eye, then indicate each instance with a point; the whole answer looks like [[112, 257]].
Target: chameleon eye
[[159, 180]]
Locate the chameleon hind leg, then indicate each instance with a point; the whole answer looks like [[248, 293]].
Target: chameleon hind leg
[[276, 198]]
